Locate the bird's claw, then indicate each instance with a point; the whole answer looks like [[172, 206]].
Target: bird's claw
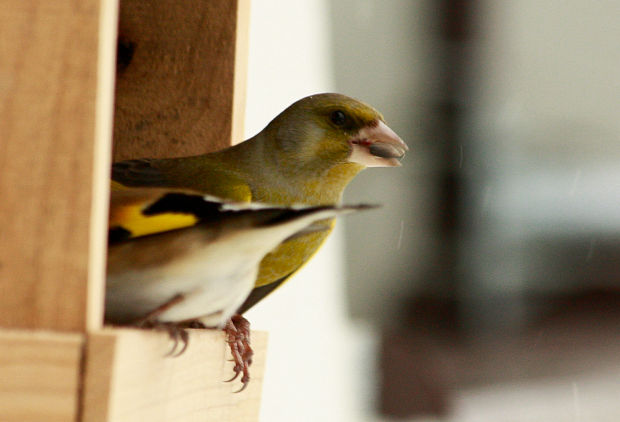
[[238, 338], [176, 331]]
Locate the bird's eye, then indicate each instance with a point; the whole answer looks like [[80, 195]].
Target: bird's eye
[[338, 117]]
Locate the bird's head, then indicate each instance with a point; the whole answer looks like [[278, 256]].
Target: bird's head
[[324, 130]]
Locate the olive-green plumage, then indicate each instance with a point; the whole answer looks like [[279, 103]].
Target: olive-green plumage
[[303, 156]]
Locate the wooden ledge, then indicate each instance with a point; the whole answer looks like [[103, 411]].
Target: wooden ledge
[[123, 375], [40, 373], [129, 378]]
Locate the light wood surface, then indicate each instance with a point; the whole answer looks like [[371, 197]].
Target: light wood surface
[[39, 376], [49, 88], [240, 82], [181, 77], [182, 92], [129, 378]]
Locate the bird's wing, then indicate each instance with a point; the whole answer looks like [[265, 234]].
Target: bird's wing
[[317, 230], [138, 184], [136, 212]]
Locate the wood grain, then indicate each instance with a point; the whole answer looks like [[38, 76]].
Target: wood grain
[[181, 92], [48, 111], [129, 378], [40, 373], [180, 86]]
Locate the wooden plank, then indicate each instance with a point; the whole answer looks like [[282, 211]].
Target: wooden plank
[[102, 159], [181, 75], [240, 82], [40, 373], [129, 378], [49, 86]]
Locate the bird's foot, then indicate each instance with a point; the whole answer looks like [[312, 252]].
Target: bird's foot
[[176, 331], [178, 334], [238, 338]]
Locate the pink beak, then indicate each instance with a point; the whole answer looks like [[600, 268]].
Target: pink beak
[[377, 146]]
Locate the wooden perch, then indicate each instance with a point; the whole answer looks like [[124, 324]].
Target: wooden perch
[[127, 378]]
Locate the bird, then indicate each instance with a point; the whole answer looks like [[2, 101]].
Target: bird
[[307, 155], [198, 274]]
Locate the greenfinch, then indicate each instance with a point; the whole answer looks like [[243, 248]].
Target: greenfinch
[[201, 273], [306, 155]]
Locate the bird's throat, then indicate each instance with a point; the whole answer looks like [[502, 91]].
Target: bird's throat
[[327, 188]]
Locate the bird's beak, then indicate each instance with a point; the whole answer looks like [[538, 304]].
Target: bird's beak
[[377, 146]]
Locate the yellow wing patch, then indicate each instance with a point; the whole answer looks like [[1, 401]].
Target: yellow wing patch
[[126, 211], [138, 224]]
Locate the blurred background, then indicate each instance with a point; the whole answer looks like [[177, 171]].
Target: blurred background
[[487, 288]]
